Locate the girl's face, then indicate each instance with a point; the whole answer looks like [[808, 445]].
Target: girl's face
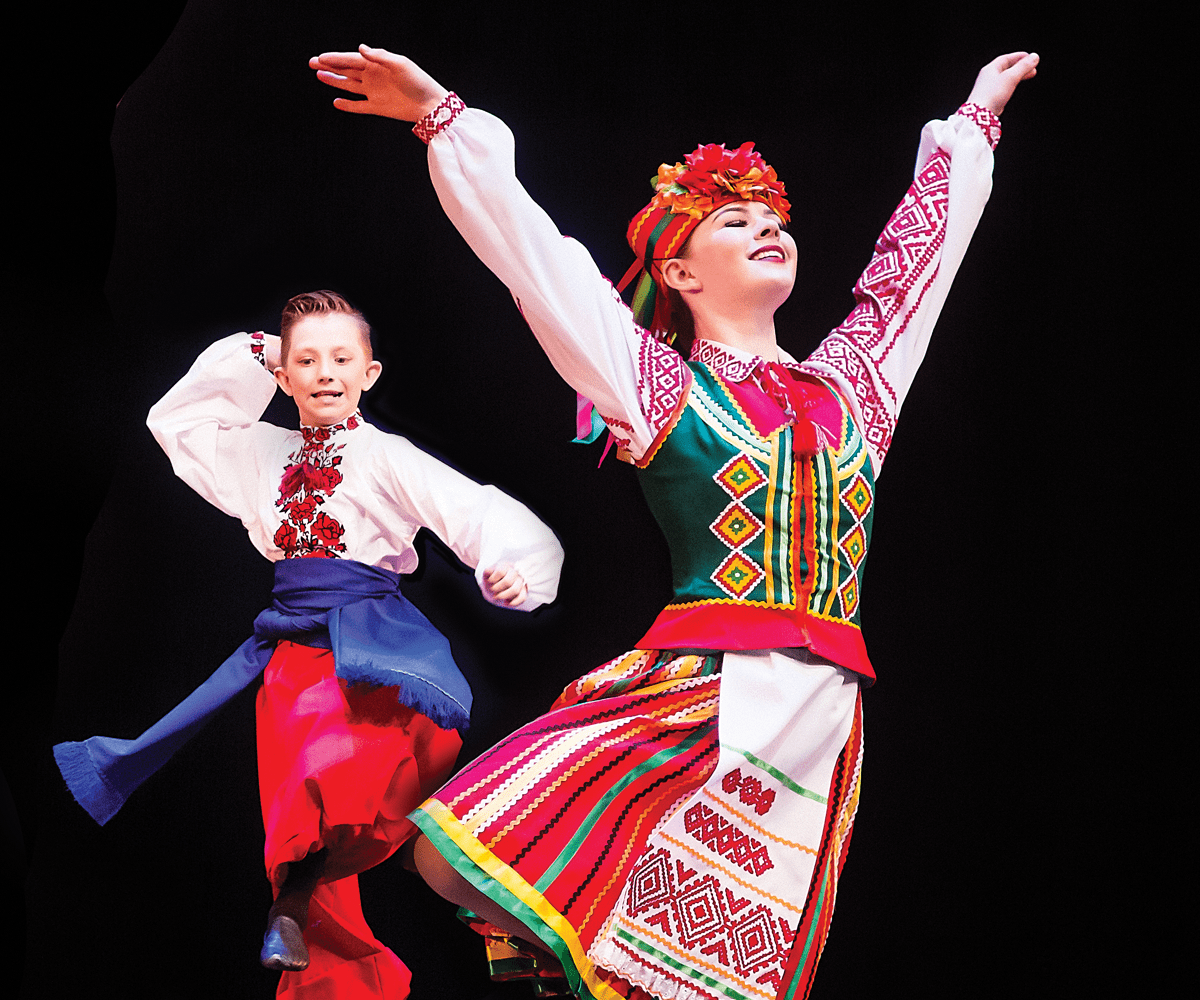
[[743, 250]]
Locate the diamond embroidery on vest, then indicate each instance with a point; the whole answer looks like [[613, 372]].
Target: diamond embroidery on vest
[[739, 477], [736, 526], [857, 496], [848, 592], [737, 574], [854, 544]]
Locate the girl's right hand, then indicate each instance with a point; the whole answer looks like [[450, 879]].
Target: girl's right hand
[[393, 86]]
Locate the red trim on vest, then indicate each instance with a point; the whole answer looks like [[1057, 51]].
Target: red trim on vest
[[748, 626]]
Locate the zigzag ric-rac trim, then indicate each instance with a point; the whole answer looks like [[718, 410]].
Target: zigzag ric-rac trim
[[715, 416], [729, 600]]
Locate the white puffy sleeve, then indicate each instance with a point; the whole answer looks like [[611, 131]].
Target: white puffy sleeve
[[208, 424], [874, 353], [587, 332], [485, 527]]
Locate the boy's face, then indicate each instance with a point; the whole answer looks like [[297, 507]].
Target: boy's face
[[327, 368]]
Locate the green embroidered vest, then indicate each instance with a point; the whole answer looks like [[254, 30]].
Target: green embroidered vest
[[767, 548]]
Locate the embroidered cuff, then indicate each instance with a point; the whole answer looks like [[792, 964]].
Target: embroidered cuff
[[439, 118], [987, 120], [258, 348]]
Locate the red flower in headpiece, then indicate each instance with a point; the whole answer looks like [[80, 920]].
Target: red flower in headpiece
[[713, 173]]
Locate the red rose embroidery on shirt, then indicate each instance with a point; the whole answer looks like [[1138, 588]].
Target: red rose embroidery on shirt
[[323, 480], [285, 537], [309, 479], [327, 529], [302, 511]]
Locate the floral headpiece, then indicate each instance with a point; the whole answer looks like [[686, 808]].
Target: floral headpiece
[[684, 194]]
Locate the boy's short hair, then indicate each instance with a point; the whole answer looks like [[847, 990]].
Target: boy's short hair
[[316, 304]]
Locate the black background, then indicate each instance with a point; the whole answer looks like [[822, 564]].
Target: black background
[[1005, 804]]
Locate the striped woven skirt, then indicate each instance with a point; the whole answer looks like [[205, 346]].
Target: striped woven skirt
[[654, 852]]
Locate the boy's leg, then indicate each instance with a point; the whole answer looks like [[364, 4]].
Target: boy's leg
[[340, 767], [283, 944]]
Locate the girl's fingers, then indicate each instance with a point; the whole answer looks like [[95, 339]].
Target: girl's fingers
[[338, 61], [358, 107], [341, 82]]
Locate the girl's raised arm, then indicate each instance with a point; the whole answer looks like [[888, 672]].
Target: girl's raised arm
[[587, 332]]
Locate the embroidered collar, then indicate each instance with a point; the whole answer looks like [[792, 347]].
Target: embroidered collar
[[323, 433], [733, 364]]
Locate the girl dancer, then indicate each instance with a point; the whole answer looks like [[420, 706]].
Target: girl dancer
[[675, 825]]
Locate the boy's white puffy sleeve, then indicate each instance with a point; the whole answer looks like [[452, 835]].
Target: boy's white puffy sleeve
[[485, 527], [208, 424]]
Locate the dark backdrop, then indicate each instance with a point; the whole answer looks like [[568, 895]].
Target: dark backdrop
[[991, 851]]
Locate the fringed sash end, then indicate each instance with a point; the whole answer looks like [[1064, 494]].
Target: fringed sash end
[[100, 800]]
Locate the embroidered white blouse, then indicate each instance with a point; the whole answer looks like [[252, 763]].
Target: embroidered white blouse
[[590, 335], [348, 491]]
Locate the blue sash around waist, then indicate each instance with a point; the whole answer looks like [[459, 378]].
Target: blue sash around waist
[[357, 611]]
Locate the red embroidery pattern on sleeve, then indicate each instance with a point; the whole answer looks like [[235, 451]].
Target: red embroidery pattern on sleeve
[[888, 294], [662, 377], [439, 118], [258, 348], [987, 120], [308, 481]]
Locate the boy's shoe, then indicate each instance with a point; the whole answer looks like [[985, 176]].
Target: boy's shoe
[[283, 946]]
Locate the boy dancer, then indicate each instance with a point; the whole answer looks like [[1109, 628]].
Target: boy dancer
[[361, 697]]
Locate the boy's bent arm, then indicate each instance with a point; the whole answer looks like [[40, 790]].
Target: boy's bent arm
[[487, 529], [208, 423]]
